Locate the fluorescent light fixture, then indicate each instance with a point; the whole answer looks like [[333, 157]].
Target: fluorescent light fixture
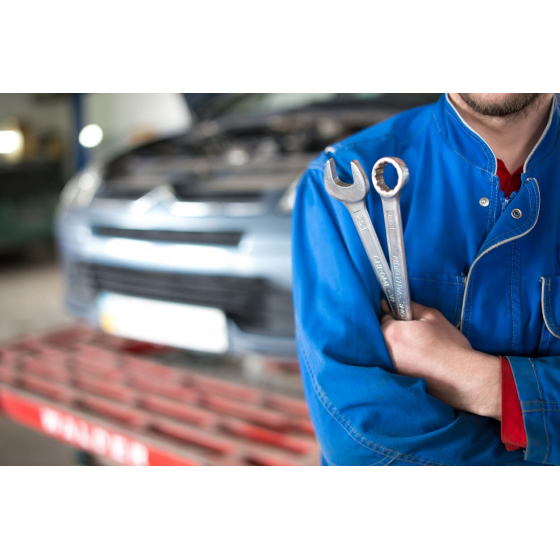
[[91, 136], [10, 141]]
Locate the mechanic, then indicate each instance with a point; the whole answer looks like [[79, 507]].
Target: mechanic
[[474, 379]]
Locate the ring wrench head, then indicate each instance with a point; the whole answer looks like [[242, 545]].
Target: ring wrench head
[[356, 192], [378, 176]]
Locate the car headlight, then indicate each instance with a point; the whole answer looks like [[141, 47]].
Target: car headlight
[[80, 190], [286, 203]]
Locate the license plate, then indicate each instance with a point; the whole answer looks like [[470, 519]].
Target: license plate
[[171, 324]]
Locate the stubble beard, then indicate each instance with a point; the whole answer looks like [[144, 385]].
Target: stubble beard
[[513, 106]]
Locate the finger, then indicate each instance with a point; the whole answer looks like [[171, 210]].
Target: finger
[[386, 319], [385, 306], [419, 311]]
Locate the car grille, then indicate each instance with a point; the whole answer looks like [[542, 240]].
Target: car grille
[[227, 238], [255, 305], [111, 192]]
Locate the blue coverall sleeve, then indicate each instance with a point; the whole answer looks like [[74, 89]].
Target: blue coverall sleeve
[[538, 386], [364, 413]]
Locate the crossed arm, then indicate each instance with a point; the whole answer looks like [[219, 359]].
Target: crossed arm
[[386, 392], [430, 347]]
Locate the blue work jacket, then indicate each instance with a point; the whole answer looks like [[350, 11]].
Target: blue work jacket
[[491, 266]]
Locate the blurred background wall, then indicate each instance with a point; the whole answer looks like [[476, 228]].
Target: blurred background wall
[[43, 118], [46, 111]]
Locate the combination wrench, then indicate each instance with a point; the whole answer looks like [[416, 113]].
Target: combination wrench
[[393, 225], [353, 197]]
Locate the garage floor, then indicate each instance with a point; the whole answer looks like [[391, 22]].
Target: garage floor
[[30, 302]]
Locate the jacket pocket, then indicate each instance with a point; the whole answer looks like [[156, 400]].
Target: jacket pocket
[[549, 344], [443, 292]]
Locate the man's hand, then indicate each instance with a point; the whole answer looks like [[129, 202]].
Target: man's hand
[[432, 348]]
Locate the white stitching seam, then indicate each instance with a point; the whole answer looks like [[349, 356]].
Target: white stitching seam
[[456, 303], [458, 283], [548, 339], [371, 446], [544, 420], [345, 147], [422, 279], [545, 156], [475, 137], [511, 297], [469, 277], [471, 306], [454, 151], [335, 412], [547, 309], [488, 209], [385, 460], [459, 119], [496, 193], [505, 234], [398, 456], [545, 132]]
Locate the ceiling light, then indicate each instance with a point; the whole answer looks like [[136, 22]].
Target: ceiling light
[[91, 136], [10, 141]]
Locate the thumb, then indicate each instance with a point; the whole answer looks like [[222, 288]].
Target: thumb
[[419, 312]]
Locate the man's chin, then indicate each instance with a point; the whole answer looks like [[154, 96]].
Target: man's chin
[[500, 104]]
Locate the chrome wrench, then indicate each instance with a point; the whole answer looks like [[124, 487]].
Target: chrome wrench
[[353, 197], [393, 225]]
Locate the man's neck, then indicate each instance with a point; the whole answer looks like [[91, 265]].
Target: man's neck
[[512, 138]]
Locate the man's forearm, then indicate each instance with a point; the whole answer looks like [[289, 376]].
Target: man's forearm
[[430, 347], [469, 381], [486, 388]]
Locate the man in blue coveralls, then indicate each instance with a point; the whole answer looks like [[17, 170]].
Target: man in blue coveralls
[[474, 379]]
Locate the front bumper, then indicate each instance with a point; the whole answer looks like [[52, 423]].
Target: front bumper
[[250, 281]]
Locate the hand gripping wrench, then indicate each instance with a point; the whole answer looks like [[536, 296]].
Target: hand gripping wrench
[[353, 197], [393, 225]]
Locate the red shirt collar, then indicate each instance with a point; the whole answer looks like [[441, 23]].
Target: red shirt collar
[[509, 182]]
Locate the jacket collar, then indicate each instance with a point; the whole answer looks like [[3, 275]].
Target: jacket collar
[[469, 145]]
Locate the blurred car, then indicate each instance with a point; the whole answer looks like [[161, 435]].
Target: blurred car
[[187, 241]]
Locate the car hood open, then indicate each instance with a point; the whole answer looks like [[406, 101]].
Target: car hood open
[[198, 102]]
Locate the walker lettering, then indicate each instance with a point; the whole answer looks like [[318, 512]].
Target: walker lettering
[[94, 439]]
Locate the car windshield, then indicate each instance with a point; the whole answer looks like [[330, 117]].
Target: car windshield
[[262, 103]]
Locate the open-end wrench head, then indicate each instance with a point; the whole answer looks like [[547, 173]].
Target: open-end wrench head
[[378, 176], [355, 192]]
